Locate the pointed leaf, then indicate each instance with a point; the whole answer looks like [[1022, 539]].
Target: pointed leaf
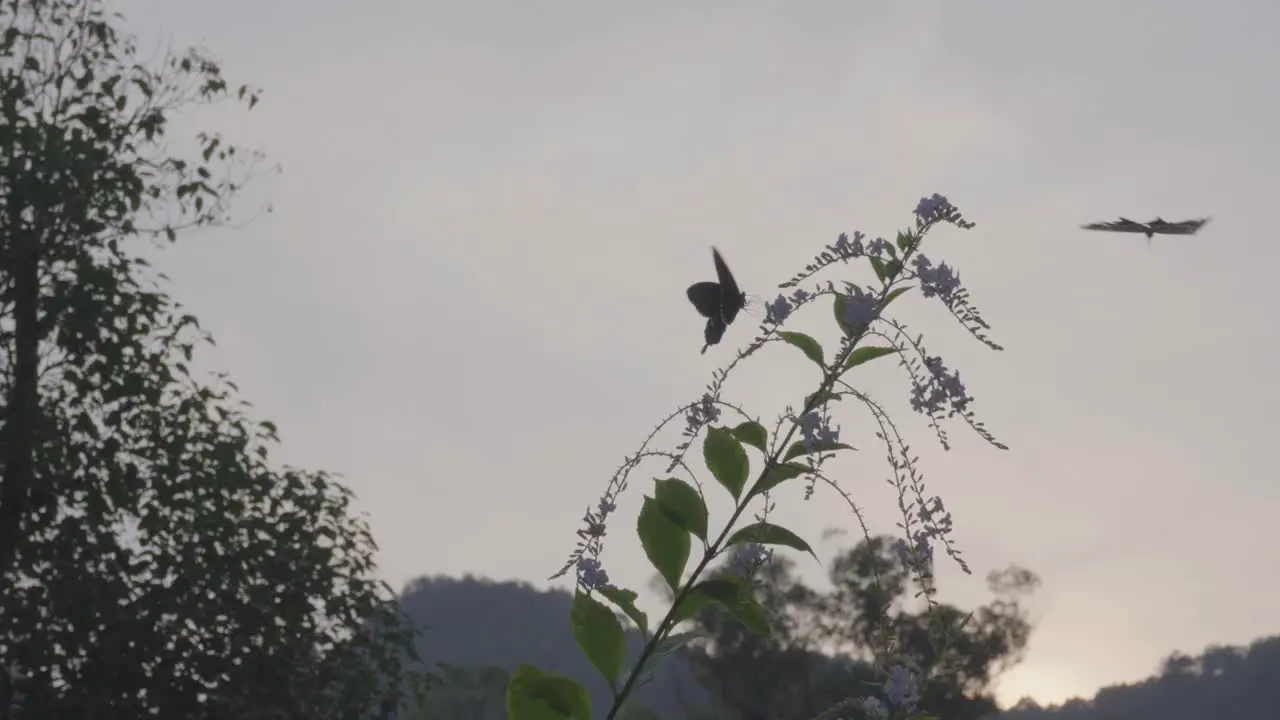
[[726, 460], [625, 600], [820, 398], [737, 599], [810, 347], [878, 265], [752, 433], [535, 694], [770, 534], [776, 475], [665, 648], [683, 505], [665, 543], [798, 448], [690, 605], [893, 295], [599, 634], [866, 354], [904, 240]]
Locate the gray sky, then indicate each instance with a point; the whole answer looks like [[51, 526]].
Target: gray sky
[[470, 297]]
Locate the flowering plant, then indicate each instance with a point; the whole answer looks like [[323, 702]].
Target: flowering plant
[[801, 442]]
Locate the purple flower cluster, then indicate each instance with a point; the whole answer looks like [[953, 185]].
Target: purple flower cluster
[[782, 307], [703, 412], [920, 552], [901, 688], [932, 207], [590, 573], [859, 307], [815, 427], [941, 281], [748, 558], [943, 388]]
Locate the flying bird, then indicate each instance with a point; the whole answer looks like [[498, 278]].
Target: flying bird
[[1151, 229], [719, 302]]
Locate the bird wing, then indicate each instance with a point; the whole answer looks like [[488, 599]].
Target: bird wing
[[1186, 227], [1121, 225]]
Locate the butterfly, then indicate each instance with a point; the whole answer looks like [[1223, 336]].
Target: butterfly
[[1157, 226], [719, 302]]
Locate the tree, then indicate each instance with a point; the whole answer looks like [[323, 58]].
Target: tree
[[152, 560], [823, 648]]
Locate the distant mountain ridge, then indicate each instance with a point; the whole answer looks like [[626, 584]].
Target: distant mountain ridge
[[477, 622]]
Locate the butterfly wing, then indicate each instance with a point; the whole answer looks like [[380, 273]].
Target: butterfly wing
[[705, 296], [731, 297], [715, 330]]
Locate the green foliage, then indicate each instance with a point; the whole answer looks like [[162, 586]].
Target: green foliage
[[535, 694], [599, 634], [677, 511], [811, 348], [683, 505], [726, 460], [665, 543], [154, 561], [795, 675]]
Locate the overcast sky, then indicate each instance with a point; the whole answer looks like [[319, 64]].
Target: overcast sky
[[470, 297]]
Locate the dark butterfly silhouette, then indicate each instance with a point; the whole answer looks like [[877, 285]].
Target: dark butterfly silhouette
[[719, 302], [1155, 227]]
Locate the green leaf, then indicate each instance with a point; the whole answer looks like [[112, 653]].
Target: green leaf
[[904, 240], [810, 347], [738, 601], [752, 433], [820, 398], [798, 448], [769, 534], [866, 354], [777, 475], [893, 295], [665, 543], [726, 460], [625, 600], [878, 265], [683, 505], [849, 330], [892, 268], [599, 634], [690, 605], [665, 648], [535, 694]]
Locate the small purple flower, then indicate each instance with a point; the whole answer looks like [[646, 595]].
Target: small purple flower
[[874, 709], [748, 558], [590, 574], [931, 207], [877, 247], [942, 388], [847, 248], [816, 428], [778, 310], [799, 296], [901, 688], [859, 307], [941, 280], [703, 412]]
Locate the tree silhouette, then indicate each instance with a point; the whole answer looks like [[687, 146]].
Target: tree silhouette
[[152, 562], [1222, 682], [823, 647]]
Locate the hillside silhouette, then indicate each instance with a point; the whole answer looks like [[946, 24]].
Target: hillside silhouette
[[1222, 682], [487, 627], [478, 623]]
